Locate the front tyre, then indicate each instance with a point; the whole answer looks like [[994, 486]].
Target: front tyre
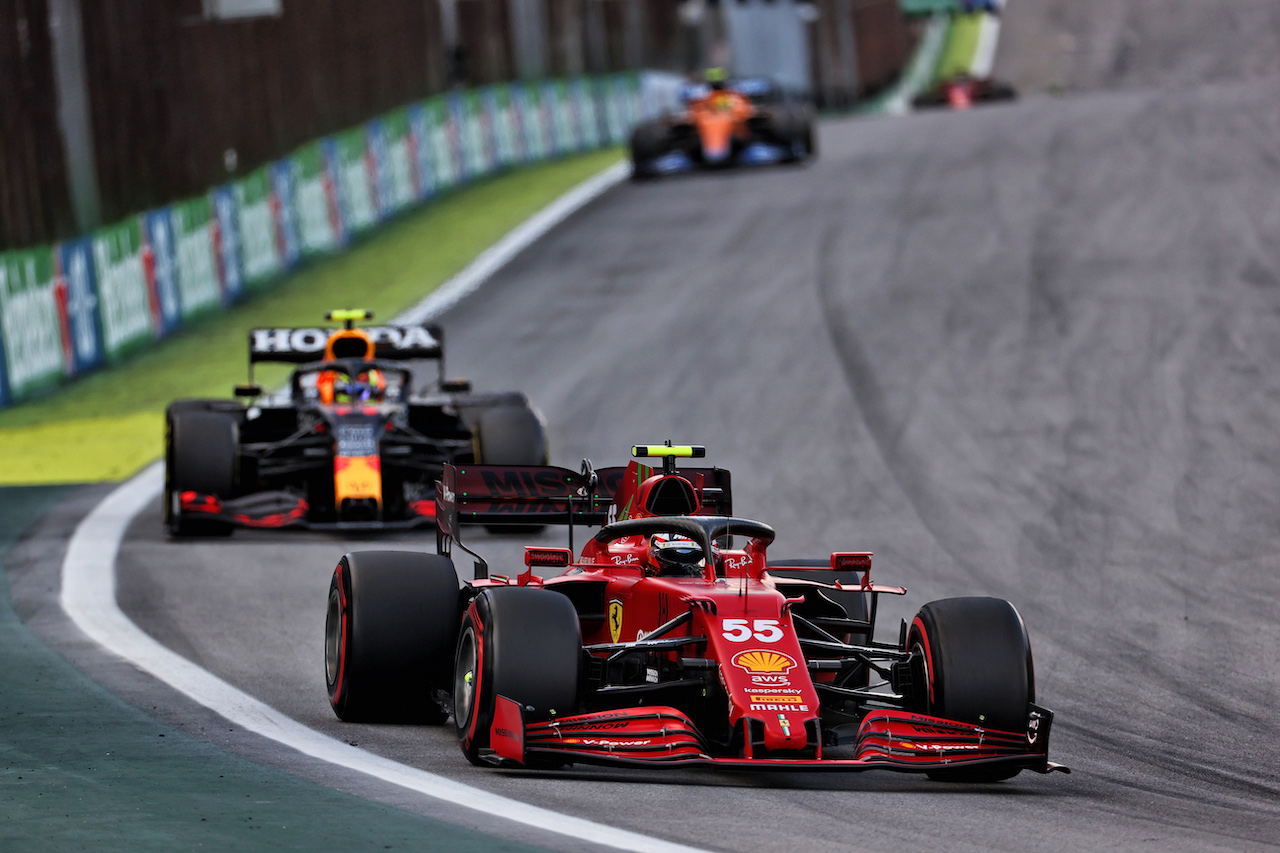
[[519, 642], [978, 669], [389, 631], [201, 450]]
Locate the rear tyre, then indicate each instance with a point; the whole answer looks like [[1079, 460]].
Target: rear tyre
[[977, 669], [201, 448], [511, 435], [389, 632], [519, 642]]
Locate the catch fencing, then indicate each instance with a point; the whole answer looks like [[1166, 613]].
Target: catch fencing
[[74, 306]]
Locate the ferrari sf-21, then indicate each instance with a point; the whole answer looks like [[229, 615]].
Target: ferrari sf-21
[[351, 442], [671, 639]]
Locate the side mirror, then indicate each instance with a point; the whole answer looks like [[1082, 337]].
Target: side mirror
[[456, 386], [248, 391]]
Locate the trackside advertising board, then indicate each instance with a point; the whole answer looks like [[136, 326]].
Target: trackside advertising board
[[83, 303], [199, 289], [29, 322], [261, 257], [75, 284], [126, 306]]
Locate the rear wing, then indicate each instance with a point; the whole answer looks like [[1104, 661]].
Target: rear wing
[[535, 495], [301, 346]]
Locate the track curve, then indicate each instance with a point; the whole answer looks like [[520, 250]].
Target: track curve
[[1023, 351]]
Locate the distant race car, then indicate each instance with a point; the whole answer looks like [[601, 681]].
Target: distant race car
[[349, 443], [672, 640], [723, 124], [963, 91]]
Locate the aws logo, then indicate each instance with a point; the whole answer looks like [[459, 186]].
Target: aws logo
[[763, 662]]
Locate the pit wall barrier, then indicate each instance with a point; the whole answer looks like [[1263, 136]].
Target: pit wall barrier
[[84, 304]]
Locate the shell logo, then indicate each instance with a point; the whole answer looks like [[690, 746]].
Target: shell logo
[[761, 661]]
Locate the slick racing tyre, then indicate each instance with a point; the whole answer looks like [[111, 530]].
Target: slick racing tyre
[[977, 669], [793, 127], [519, 642], [511, 435], [201, 448], [649, 141], [388, 636]]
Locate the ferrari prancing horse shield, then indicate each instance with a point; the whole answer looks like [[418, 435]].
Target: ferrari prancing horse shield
[[615, 619]]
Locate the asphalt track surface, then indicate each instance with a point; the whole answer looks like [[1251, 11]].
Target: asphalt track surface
[[1024, 351]]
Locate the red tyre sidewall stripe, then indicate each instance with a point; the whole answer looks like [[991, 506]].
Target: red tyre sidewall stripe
[[343, 636], [477, 629], [918, 625]]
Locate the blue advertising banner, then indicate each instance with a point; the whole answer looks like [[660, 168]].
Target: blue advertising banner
[[420, 137], [159, 264], [282, 212], [226, 242], [73, 261], [381, 182]]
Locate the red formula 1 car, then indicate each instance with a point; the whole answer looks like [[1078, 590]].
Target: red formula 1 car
[[351, 443], [672, 640], [964, 91]]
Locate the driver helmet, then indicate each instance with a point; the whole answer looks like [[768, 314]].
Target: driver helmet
[[716, 78], [368, 385], [674, 556]]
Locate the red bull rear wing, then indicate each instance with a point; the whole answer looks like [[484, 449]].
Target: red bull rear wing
[[303, 346]]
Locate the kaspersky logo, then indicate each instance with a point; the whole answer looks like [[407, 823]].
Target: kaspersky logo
[[763, 662]]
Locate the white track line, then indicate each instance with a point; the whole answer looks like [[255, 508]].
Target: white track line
[[89, 599]]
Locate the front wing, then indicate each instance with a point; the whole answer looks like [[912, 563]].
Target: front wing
[[756, 153], [887, 740]]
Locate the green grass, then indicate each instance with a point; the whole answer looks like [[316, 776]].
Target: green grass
[[108, 425], [962, 44]]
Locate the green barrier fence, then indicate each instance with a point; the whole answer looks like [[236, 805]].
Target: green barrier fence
[[83, 304]]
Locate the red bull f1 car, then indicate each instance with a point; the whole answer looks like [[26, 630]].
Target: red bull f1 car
[[671, 639], [723, 125], [350, 443]]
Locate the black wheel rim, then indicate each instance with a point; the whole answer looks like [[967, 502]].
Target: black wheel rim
[[464, 679]]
